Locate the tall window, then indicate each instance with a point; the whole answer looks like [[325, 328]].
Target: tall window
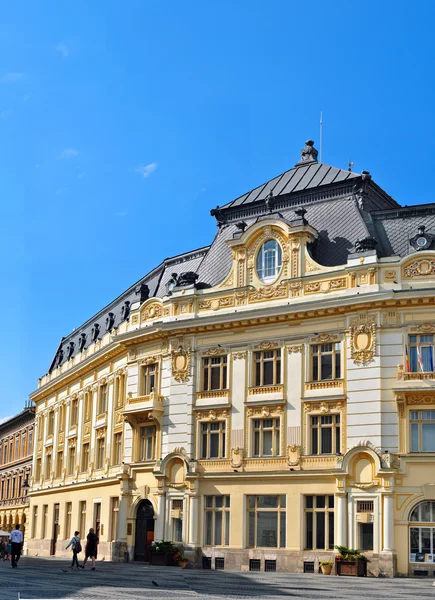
[[99, 462], [147, 443], [325, 361], [422, 537], [117, 448], [30, 442], [267, 367], [421, 353], [217, 521], [325, 434], [85, 457], [74, 412], [120, 391], [17, 448], [102, 399], [214, 373], [71, 460], [23, 444], [149, 378], [319, 523], [266, 521], [213, 439], [114, 510], [269, 261], [38, 469], [68, 517], [50, 426], [177, 521], [422, 430], [82, 517], [35, 522], [87, 413], [266, 437], [44, 521], [48, 465], [59, 463]]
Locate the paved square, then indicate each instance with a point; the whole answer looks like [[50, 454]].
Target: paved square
[[44, 578]]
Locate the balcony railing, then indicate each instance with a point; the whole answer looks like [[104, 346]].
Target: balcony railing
[[413, 376], [15, 501]]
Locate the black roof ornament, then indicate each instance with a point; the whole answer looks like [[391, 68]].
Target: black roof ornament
[[82, 341], [110, 321], [70, 350], [187, 278], [423, 240], [217, 212], [143, 291], [300, 217], [269, 201], [365, 244], [59, 357], [125, 311], [308, 154], [95, 332], [242, 225]]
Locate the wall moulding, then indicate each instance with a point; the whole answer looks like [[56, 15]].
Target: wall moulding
[[419, 268], [363, 342]]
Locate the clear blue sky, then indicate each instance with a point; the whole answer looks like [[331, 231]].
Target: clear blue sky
[[123, 123]]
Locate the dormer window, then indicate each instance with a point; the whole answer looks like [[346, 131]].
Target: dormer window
[[269, 261]]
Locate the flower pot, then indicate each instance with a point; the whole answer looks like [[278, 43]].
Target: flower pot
[[182, 563], [351, 568], [326, 569]]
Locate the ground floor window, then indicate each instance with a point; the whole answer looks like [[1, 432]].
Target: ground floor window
[[217, 521], [319, 522], [177, 520], [266, 521], [422, 533]]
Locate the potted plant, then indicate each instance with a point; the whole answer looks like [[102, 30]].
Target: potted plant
[[326, 566], [181, 558], [351, 562], [162, 554]]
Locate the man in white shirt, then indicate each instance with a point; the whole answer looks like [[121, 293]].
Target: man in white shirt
[[16, 539]]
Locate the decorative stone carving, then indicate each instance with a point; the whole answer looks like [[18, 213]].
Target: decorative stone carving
[[149, 360], [181, 359], [152, 311], [426, 328], [101, 432], [308, 153], [295, 289], [325, 286], [324, 338], [293, 455], [363, 343], [239, 355], [91, 469], [390, 275], [420, 268], [268, 293], [295, 349], [211, 415], [266, 345], [213, 352], [236, 457]]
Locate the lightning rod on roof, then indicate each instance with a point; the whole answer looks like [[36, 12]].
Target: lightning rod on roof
[[321, 132]]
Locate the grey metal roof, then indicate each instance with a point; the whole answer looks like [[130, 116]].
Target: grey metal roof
[[297, 179]]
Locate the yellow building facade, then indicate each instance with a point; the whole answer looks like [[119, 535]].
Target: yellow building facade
[[259, 400], [16, 457]]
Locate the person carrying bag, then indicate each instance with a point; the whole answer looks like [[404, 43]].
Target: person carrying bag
[[76, 545]]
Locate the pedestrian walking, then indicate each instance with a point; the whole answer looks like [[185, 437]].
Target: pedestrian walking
[[76, 549], [92, 542], [16, 539]]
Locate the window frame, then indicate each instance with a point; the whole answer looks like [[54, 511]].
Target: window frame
[[221, 433], [275, 428], [419, 422], [207, 368], [414, 348], [259, 360], [314, 510], [336, 351], [280, 510], [334, 426], [143, 445], [262, 257], [225, 511], [117, 448], [146, 375]]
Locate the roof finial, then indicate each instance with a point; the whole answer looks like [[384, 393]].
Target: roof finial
[[308, 154]]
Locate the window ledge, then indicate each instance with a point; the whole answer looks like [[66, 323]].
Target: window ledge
[[266, 389], [324, 385], [212, 394]]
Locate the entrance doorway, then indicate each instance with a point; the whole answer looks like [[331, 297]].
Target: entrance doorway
[[366, 536], [144, 530], [55, 530]]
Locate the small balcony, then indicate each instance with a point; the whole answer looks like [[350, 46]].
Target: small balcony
[[213, 398], [410, 380], [151, 404], [266, 392]]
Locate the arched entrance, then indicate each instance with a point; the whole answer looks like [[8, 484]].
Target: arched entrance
[[144, 530]]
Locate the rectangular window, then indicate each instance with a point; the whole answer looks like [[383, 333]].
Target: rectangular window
[[267, 368], [117, 448], [23, 444], [82, 518], [325, 434], [214, 373], [35, 522], [421, 353], [266, 437], [213, 436], [59, 464], [422, 423], [71, 460], [325, 361], [114, 510], [319, 522], [177, 520], [147, 446], [120, 391], [48, 466], [266, 521], [102, 399], [85, 457], [74, 412], [217, 521], [44, 521], [87, 413], [99, 459], [30, 442], [68, 519], [38, 469], [50, 426], [149, 379]]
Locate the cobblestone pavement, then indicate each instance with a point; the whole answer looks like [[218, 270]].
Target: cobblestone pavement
[[44, 578]]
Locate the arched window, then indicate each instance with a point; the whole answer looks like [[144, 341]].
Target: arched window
[[269, 261], [422, 537]]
